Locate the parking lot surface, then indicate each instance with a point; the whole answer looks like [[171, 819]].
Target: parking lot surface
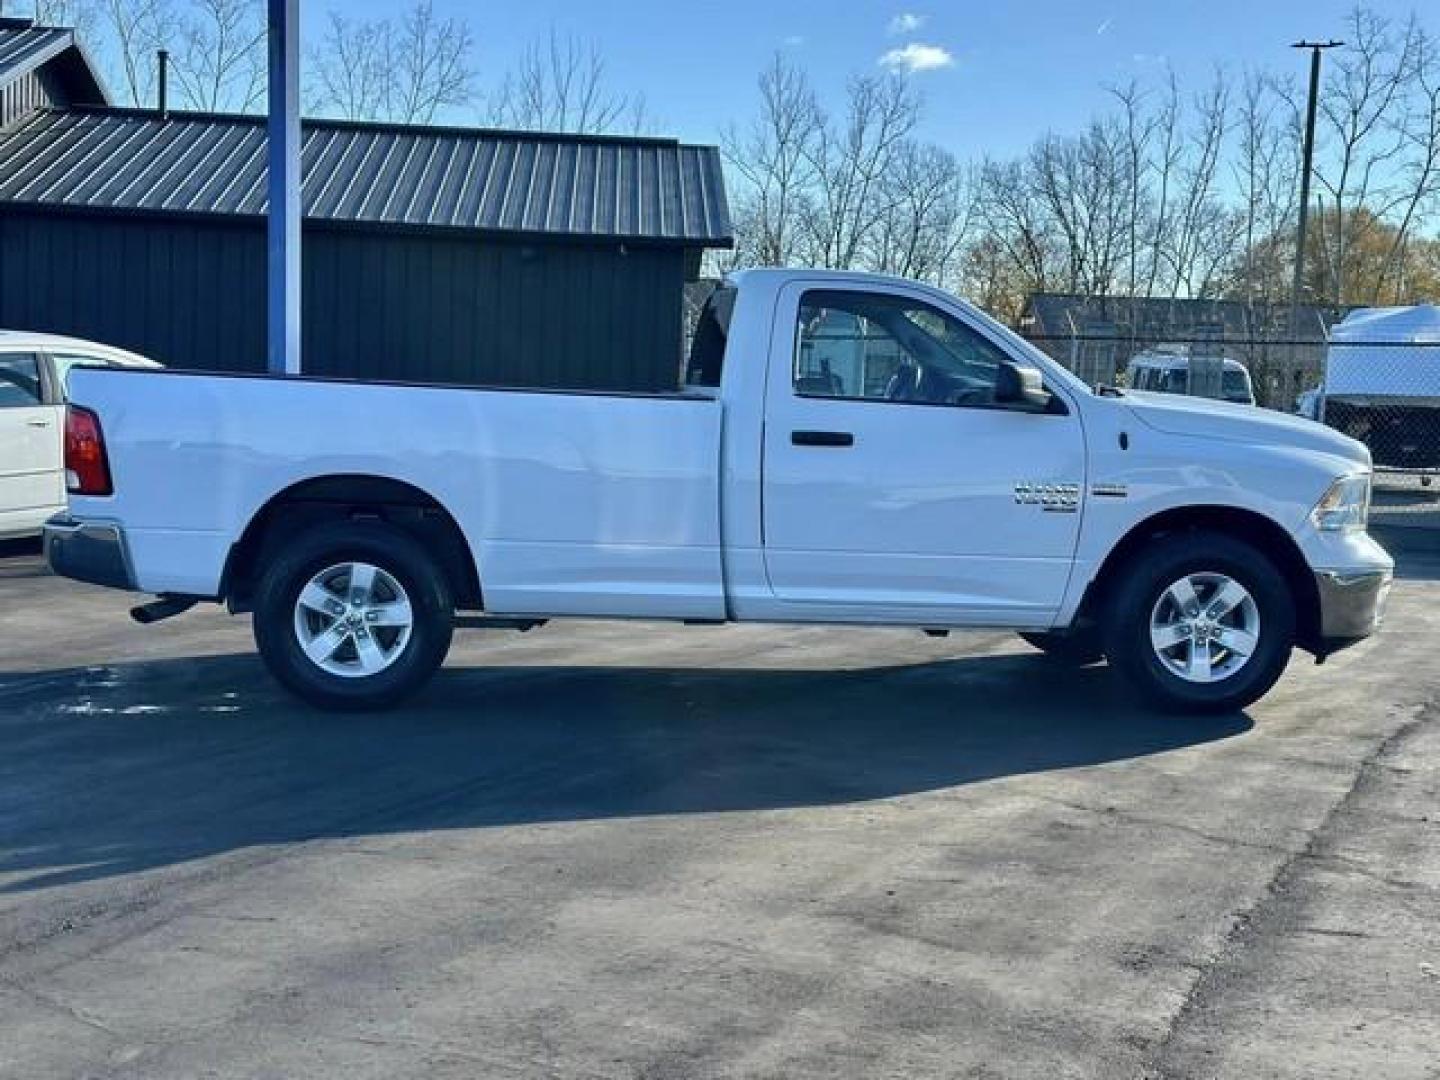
[[614, 850]]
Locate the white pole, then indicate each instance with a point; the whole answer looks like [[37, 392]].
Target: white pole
[[283, 218]]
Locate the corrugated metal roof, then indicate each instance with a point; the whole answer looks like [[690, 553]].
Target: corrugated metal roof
[[494, 181], [24, 47]]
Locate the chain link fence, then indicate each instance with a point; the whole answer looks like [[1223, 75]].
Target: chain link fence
[[1384, 392]]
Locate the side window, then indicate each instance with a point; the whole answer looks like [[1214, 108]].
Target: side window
[[879, 347], [707, 348], [20, 385], [64, 363]]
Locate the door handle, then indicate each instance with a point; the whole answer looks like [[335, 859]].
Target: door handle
[[38, 423], [822, 438]]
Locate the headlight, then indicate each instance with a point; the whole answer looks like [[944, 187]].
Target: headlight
[[1346, 506]]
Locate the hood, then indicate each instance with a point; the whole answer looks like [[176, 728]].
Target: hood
[[1177, 414]]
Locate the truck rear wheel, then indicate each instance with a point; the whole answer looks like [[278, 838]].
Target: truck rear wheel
[[353, 615], [1201, 622]]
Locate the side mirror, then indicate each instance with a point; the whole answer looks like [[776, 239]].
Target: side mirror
[[1021, 385]]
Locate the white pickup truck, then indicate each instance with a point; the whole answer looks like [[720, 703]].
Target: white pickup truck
[[846, 449]]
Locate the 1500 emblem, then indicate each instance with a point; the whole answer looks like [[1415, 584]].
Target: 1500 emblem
[[1061, 498]]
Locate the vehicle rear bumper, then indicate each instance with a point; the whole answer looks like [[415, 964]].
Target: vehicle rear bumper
[[1352, 605], [89, 551]]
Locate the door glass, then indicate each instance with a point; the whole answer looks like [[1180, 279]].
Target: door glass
[[879, 347], [20, 386]]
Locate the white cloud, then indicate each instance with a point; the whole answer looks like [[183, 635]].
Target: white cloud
[[794, 41], [906, 23], [917, 57]]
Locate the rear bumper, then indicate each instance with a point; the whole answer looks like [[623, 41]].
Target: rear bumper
[[89, 551], [1352, 605]]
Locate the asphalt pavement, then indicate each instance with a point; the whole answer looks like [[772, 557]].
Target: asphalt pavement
[[634, 850]]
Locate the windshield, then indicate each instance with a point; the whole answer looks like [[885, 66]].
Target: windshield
[[1236, 387]]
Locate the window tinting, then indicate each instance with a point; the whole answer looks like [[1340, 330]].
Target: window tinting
[[881, 347], [20, 386], [707, 349]]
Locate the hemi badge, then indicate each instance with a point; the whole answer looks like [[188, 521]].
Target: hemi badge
[[1111, 491]]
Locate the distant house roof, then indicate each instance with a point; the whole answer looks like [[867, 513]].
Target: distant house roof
[[25, 48], [126, 160], [1159, 318]]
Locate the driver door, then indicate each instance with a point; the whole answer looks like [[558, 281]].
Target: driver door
[[32, 480], [894, 488]]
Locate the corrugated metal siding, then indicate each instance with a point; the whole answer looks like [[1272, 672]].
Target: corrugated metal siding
[[185, 290], [632, 189], [21, 96], [431, 308], [24, 48]]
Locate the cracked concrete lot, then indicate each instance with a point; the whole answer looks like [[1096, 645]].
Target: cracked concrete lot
[[612, 850]]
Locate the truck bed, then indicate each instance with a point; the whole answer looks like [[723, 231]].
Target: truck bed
[[572, 502]]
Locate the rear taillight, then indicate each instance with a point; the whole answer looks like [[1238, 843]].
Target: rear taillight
[[87, 469]]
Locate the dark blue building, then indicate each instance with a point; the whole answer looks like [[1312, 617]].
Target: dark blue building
[[431, 254]]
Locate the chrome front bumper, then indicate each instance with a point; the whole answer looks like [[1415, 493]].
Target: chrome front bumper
[[1352, 604], [89, 551]]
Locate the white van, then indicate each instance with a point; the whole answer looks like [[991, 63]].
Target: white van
[[1168, 372], [34, 369]]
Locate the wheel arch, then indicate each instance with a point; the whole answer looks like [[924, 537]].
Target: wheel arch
[[1247, 525], [351, 496]]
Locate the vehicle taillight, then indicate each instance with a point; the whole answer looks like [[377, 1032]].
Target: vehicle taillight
[[87, 469]]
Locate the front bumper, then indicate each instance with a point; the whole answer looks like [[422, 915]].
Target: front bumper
[[1352, 605], [89, 551]]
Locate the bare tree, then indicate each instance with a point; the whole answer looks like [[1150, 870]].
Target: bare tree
[[1368, 83], [773, 166], [1017, 231], [1419, 176], [220, 58], [1202, 235], [927, 210], [132, 31], [76, 14], [1265, 172], [1139, 131], [850, 165], [560, 84], [407, 72], [1079, 183]]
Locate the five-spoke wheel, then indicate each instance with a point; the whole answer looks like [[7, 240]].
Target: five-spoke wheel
[[1200, 621], [353, 615], [353, 619], [1205, 627]]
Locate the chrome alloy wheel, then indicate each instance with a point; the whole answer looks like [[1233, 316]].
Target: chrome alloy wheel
[[1205, 627], [353, 620]]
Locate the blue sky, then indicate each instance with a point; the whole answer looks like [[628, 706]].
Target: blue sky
[[1014, 70]]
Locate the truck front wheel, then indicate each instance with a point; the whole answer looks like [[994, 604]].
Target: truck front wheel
[[1200, 622], [353, 615]]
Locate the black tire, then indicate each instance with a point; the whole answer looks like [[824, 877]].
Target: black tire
[[1077, 649], [392, 551], [1145, 581]]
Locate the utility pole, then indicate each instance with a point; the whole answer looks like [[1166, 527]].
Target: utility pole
[[283, 214], [1316, 49]]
